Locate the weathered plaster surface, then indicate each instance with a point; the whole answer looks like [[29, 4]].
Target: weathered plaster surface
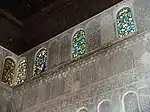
[[112, 76]]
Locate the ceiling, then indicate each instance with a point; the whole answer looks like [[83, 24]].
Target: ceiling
[[43, 19], [24, 8]]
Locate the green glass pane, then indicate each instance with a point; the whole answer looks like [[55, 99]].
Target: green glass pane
[[125, 22], [78, 44]]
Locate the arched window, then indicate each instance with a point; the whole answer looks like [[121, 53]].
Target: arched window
[[65, 47], [130, 102], [78, 43], [93, 35], [105, 106], [107, 25], [40, 61], [8, 71], [53, 54], [82, 109], [21, 71], [125, 22]]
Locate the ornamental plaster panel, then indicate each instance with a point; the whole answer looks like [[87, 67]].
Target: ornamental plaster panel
[[142, 16], [53, 54], [93, 35], [144, 103], [107, 28], [65, 47]]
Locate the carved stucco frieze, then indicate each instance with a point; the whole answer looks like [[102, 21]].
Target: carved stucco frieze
[[93, 35], [141, 9], [107, 25], [97, 64]]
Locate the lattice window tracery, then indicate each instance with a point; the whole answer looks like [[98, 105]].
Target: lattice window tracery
[[8, 71], [78, 43], [125, 22], [105, 106], [40, 61], [21, 72]]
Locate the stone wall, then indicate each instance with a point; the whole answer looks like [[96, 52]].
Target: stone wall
[[6, 103], [4, 53], [112, 76], [116, 77], [100, 32], [59, 47]]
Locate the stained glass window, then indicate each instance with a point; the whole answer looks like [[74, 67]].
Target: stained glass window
[[40, 61], [8, 71], [21, 72], [125, 22], [78, 43]]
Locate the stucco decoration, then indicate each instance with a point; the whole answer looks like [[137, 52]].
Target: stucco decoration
[[142, 15], [67, 83], [53, 54], [85, 73], [107, 25], [129, 58], [40, 61], [105, 106], [65, 47], [118, 62], [41, 92], [93, 35], [130, 102], [145, 59], [104, 66], [1, 63], [144, 103], [29, 97], [7, 103], [82, 109], [138, 49], [56, 88], [9, 71]]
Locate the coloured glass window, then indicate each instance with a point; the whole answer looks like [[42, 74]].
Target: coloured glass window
[[78, 43], [40, 61], [125, 22], [21, 72], [8, 71]]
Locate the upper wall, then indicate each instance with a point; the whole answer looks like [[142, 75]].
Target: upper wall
[[105, 75], [100, 32], [4, 54]]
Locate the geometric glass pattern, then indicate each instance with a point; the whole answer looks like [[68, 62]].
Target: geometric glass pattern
[[40, 61], [21, 72], [78, 43], [125, 22], [8, 71]]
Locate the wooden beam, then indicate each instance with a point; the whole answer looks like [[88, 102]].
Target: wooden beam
[[10, 18]]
